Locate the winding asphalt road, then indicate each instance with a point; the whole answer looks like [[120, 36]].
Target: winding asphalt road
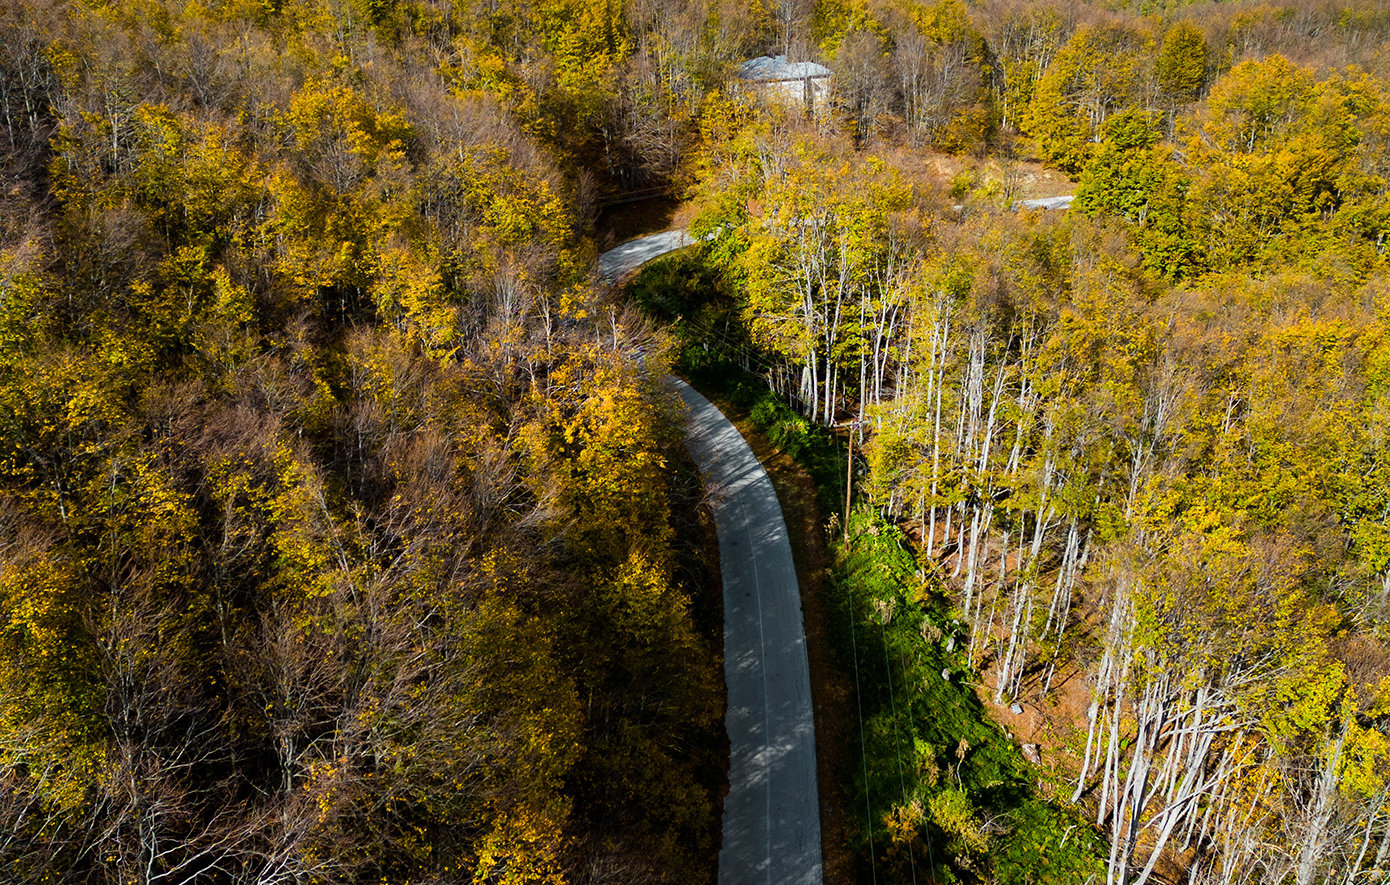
[[771, 820], [771, 815]]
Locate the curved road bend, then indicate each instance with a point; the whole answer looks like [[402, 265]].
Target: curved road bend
[[632, 254], [771, 815]]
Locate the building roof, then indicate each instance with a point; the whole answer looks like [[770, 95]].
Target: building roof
[[769, 70]]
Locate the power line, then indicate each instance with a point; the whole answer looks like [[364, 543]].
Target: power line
[[863, 746], [748, 358], [897, 741]]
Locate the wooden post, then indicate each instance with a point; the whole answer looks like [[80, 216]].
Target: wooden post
[[849, 479]]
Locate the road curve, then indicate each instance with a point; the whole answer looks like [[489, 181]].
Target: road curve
[[632, 254], [771, 816]]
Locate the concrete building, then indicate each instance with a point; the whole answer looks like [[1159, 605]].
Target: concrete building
[[800, 85]]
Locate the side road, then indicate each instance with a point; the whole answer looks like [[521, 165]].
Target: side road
[[771, 820]]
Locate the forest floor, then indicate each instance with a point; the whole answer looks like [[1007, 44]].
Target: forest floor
[[1026, 179], [1053, 724]]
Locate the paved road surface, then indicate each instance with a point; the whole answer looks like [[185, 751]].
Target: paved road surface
[[771, 820], [1045, 203], [616, 262], [771, 815]]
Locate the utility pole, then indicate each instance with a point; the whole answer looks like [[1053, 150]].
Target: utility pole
[[849, 476]]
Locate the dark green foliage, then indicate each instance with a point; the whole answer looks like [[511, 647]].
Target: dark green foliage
[[1182, 61], [1136, 179], [684, 284]]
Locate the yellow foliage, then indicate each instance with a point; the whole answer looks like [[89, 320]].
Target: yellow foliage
[[952, 811], [525, 847], [49, 705], [1364, 766], [322, 111], [307, 539], [409, 294], [903, 821], [607, 436], [587, 39]]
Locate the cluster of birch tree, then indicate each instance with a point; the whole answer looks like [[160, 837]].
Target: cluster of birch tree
[[1144, 445]]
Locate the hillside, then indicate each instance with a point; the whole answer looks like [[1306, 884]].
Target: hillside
[[1138, 449], [346, 532]]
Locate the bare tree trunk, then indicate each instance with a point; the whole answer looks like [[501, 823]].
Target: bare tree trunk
[[1316, 838]]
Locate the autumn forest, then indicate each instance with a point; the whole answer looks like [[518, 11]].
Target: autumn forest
[[346, 530]]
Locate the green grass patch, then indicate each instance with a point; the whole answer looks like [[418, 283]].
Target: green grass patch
[[944, 795]]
